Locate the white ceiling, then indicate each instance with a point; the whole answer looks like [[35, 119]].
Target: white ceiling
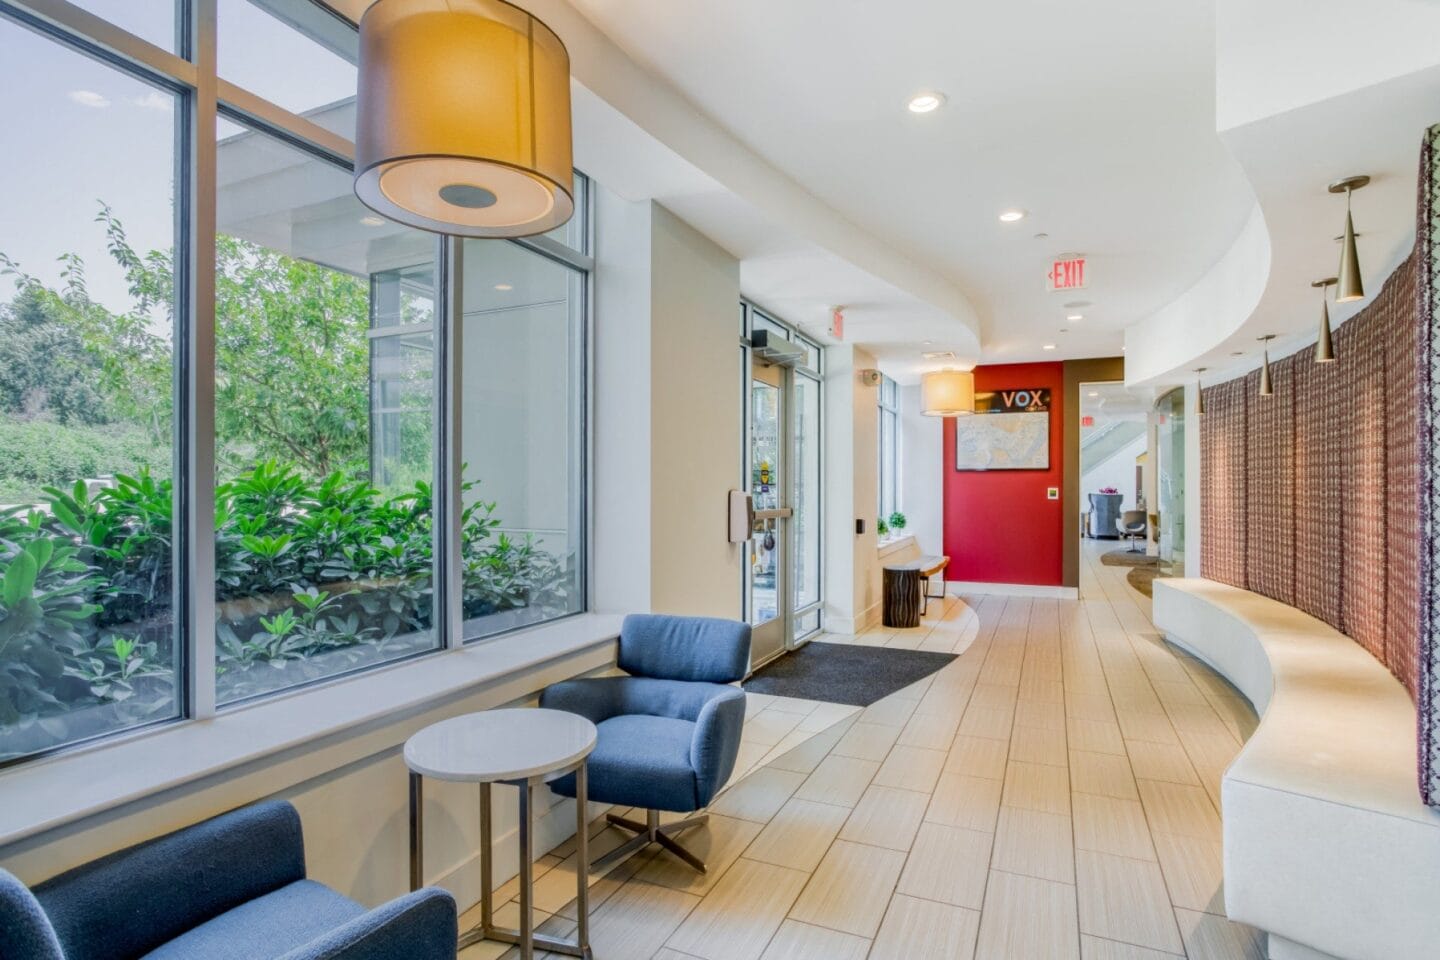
[[780, 130], [1100, 123]]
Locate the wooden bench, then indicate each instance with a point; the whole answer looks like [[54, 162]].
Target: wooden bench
[[907, 590]]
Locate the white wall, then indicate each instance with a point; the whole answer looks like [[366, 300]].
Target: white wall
[[1117, 472], [852, 568], [695, 421], [922, 477], [667, 414]]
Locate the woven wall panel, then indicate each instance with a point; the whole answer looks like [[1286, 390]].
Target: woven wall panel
[[1403, 344], [1319, 499], [1222, 484], [1270, 483], [1360, 418], [1427, 253]]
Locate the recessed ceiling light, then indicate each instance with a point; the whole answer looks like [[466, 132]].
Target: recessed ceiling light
[[1047, 346], [926, 102], [1094, 393], [503, 286], [1075, 317], [1011, 216], [372, 221]]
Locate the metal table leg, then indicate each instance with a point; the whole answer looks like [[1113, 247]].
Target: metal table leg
[[417, 833], [526, 938]]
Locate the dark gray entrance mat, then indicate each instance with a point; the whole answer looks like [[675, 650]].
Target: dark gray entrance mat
[[845, 672]]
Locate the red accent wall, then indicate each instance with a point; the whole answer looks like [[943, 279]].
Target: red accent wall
[[999, 526]]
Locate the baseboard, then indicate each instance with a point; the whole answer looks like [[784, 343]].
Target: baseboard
[[957, 587], [853, 625]]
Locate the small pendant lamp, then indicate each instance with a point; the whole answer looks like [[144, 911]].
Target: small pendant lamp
[[1199, 392], [1324, 347], [463, 122], [1266, 387], [947, 393], [1351, 286]]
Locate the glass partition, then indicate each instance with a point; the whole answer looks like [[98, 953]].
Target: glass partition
[[1170, 481]]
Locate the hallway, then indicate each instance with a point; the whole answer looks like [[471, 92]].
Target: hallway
[[1053, 793]]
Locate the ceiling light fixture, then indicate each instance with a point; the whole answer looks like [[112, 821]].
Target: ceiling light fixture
[[372, 221], [927, 102], [504, 286], [1351, 286], [1267, 387], [1094, 393], [1075, 317], [463, 123], [1012, 216], [1199, 392], [1047, 346], [1324, 346], [947, 393]]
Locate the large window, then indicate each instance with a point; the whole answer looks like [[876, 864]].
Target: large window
[[221, 469], [522, 439], [87, 320], [889, 439], [324, 397]]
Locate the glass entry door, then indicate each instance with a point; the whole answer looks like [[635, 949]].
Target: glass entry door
[[768, 569]]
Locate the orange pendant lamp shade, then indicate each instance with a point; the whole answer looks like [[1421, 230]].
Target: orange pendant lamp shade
[[463, 118]]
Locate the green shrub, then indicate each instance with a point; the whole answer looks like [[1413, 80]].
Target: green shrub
[[39, 453]]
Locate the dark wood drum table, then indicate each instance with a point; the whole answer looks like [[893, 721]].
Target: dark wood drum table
[[907, 590]]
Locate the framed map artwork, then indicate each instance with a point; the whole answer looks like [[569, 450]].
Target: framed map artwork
[[1010, 430]]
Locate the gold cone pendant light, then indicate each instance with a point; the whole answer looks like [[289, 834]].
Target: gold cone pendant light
[[1351, 286], [1266, 387], [1324, 347], [1199, 392], [947, 393], [463, 121]]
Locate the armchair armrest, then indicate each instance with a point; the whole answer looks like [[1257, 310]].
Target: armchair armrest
[[717, 741], [418, 926]]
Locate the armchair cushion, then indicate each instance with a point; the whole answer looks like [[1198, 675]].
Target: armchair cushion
[[267, 926], [133, 901], [684, 648], [640, 761]]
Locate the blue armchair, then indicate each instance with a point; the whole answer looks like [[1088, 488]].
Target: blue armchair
[[669, 732], [231, 888]]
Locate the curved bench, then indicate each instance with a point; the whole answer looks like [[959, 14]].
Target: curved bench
[[1328, 847]]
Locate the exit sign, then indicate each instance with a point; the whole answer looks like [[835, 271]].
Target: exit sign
[[1067, 274], [1087, 421]]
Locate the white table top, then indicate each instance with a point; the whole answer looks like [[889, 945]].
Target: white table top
[[500, 745]]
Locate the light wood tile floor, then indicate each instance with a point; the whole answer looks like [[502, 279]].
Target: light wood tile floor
[[1050, 794]]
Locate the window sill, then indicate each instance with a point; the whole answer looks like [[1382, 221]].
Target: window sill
[[894, 545], [52, 792]]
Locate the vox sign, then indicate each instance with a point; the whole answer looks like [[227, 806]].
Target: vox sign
[[1067, 274]]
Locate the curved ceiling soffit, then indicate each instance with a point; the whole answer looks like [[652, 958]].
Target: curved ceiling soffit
[[604, 69]]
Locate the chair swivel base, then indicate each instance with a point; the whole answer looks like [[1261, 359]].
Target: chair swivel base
[[652, 831]]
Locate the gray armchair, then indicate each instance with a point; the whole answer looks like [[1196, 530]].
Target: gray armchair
[[231, 888]]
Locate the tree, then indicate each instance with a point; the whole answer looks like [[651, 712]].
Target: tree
[[291, 353]]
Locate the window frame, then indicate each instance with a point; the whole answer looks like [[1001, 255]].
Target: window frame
[[204, 98], [888, 402]]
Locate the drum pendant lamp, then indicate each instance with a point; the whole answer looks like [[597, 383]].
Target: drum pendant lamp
[[463, 123]]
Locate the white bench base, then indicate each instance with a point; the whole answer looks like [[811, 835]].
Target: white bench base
[[1327, 846]]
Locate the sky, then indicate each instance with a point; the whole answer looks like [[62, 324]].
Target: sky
[[75, 132]]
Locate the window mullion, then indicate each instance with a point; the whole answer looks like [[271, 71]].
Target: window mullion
[[197, 378], [448, 498]]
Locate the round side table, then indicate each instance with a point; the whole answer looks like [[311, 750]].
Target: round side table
[[523, 748]]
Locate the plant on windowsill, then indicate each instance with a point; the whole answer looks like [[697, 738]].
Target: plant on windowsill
[[882, 529]]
